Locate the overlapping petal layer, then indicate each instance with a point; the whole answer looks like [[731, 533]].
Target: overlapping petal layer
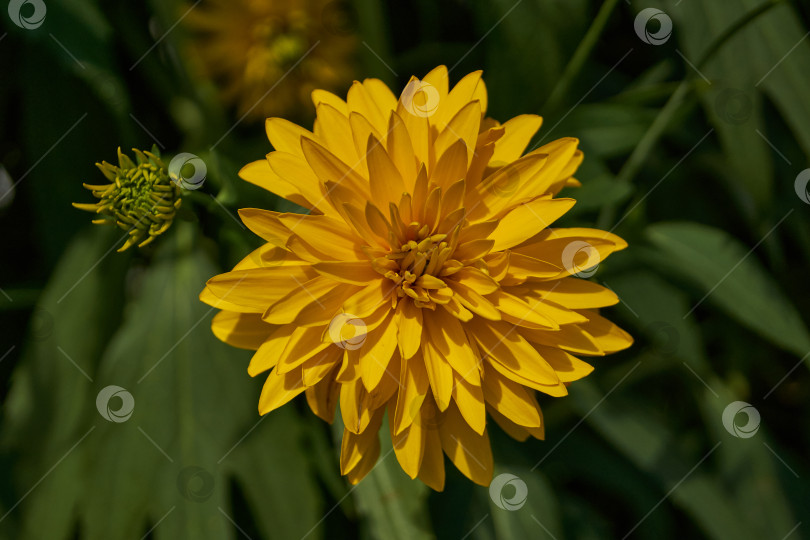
[[427, 287]]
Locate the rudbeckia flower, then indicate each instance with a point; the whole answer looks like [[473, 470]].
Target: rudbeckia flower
[[426, 288], [140, 198], [248, 47]]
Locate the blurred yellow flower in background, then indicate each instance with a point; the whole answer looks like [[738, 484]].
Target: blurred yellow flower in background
[[426, 282], [248, 47]]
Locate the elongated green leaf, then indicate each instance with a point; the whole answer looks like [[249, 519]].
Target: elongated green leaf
[[51, 395], [392, 504], [746, 465], [732, 279], [516, 513]]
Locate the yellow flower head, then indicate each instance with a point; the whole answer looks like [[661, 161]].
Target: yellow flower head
[[140, 197], [248, 47], [426, 282]]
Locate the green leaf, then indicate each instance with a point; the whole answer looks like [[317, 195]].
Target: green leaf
[[194, 404], [535, 516], [733, 280], [746, 466], [51, 396], [393, 505]]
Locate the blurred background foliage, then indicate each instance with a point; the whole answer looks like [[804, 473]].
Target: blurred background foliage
[[692, 147]]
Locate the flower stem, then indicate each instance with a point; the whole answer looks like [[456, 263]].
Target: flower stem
[[639, 155], [580, 56]]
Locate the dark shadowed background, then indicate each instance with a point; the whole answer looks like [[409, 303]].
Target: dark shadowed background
[[694, 117]]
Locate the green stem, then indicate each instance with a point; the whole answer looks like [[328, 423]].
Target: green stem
[[580, 56], [207, 201], [639, 155]]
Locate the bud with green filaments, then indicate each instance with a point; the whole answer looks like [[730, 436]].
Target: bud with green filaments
[[140, 197]]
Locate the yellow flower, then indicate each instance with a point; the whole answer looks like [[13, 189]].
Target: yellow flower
[[425, 283], [248, 47], [140, 197]]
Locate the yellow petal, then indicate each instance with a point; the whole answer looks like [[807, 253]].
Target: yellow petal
[[469, 399], [322, 96], [409, 447], [568, 367], [528, 219], [361, 101], [376, 352], [518, 131], [279, 389], [574, 293], [265, 224], [385, 182], [410, 328], [332, 127], [400, 149], [243, 330], [257, 289], [469, 451], [329, 167], [323, 397], [432, 470], [511, 400], [464, 125], [607, 335], [414, 386], [504, 345], [447, 337], [353, 272], [285, 136], [310, 303]]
